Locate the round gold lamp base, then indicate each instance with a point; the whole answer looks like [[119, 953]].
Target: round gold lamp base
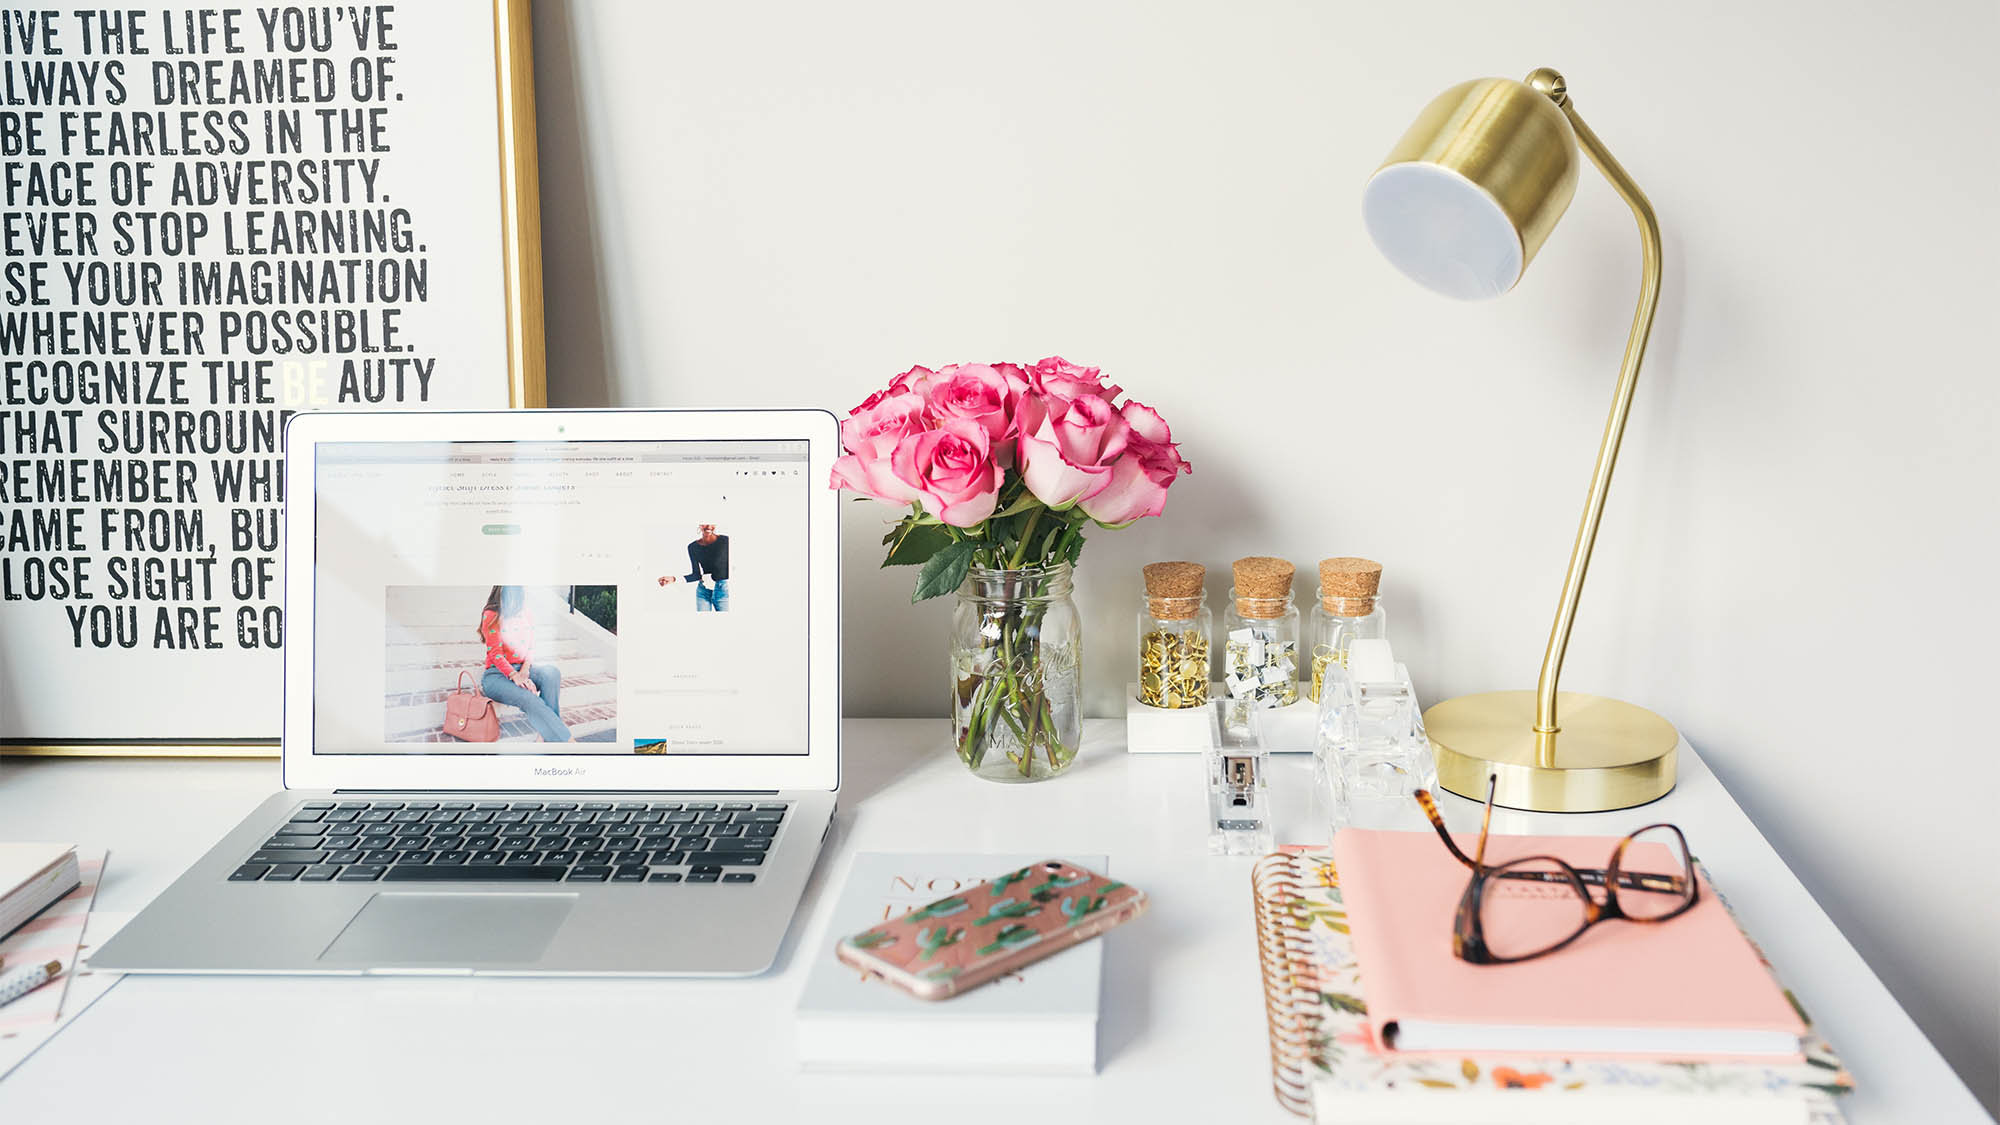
[[1608, 754]]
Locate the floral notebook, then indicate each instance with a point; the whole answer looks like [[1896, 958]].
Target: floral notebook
[[1324, 1060]]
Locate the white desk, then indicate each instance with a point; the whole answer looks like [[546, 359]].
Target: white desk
[[1182, 1036]]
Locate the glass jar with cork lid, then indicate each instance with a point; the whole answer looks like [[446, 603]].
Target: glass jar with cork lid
[[1345, 610], [1261, 651], [1174, 625]]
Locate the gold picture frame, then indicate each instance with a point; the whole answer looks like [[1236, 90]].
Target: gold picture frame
[[521, 265]]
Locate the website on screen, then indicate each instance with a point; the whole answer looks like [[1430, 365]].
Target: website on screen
[[603, 597]]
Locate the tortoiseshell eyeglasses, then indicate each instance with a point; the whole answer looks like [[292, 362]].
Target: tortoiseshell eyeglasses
[[1526, 907]]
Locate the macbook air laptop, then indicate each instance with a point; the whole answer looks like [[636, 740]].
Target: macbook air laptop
[[561, 696]]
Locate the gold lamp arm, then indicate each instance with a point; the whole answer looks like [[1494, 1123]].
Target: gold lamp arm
[[1546, 726]]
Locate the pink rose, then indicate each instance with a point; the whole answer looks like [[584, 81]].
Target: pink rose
[[870, 435], [1014, 374], [907, 381], [1139, 479], [1059, 377], [1063, 379], [1146, 423], [1070, 454], [1053, 384], [986, 396], [874, 428], [950, 471]]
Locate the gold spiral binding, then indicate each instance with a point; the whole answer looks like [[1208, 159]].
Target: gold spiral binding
[[1291, 999]]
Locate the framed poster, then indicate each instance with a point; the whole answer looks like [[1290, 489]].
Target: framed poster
[[213, 216]]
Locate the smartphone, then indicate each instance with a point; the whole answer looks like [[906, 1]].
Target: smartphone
[[964, 940]]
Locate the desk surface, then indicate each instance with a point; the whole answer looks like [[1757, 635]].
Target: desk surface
[[1182, 1031]]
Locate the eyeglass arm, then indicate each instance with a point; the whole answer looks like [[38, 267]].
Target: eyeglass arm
[[1594, 876]]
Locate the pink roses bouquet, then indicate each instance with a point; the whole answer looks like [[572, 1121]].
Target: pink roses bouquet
[[1002, 466]]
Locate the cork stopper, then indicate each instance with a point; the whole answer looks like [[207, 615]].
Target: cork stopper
[[1173, 589], [1347, 586], [1262, 585]]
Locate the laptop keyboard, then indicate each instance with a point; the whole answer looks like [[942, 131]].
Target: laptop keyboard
[[518, 841]]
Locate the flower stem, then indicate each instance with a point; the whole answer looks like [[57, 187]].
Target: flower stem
[[1009, 689], [1034, 729], [1027, 535], [1055, 743], [971, 747]]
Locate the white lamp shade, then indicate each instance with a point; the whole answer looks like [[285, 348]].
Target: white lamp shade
[[1443, 230]]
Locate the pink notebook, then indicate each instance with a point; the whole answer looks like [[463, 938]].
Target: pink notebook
[[1690, 988]]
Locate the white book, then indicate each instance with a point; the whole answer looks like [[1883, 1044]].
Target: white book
[[1042, 1019], [32, 876]]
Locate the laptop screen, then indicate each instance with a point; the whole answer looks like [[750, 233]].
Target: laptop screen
[[561, 597]]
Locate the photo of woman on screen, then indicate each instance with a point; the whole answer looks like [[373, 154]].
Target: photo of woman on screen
[[511, 676], [708, 570]]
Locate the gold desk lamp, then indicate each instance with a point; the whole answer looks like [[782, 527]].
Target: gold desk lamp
[[1461, 205]]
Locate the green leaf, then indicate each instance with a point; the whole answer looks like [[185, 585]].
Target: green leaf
[[944, 571], [1342, 1002], [1075, 550], [916, 543], [1025, 501]]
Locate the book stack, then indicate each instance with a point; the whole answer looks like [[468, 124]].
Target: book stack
[[33, 876], [1374, 1020]]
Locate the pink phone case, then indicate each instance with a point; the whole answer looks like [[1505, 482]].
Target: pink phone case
[[967, 939]]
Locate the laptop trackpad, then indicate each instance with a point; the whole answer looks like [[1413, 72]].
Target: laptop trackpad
[[451, 929]]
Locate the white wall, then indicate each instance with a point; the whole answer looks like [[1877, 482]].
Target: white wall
[[786, 203]]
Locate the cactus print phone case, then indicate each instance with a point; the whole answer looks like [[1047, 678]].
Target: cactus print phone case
[[964, 940]]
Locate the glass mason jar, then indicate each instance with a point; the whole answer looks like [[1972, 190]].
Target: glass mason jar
[[1173, 651], [1338, 622], [1016, 673], [1260, 651]]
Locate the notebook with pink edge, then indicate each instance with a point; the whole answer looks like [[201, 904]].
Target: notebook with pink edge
[[1690, 988]]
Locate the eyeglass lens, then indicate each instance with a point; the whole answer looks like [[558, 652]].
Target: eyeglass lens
[[1657, 875], [1530, 905]]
